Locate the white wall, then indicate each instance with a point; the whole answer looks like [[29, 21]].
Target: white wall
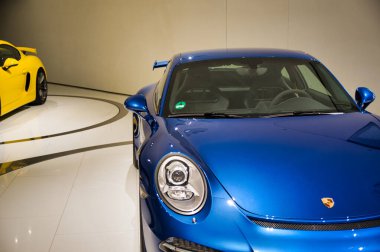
[[111, 45]]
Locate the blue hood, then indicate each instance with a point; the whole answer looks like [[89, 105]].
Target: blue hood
[[282, 167]]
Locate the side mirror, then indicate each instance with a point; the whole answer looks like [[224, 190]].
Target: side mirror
[[8, 63], [364, 97], [137, 103]]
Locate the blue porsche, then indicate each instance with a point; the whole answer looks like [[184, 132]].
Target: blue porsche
[[255, 150]]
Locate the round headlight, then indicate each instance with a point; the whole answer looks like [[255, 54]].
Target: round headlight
[[181, 184], [177, 173]]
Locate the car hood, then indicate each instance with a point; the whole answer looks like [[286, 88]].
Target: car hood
[[282, 167]]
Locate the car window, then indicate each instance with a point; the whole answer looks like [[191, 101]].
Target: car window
[[254, 87], [312, 80], [338, 93], [160, 87], [7, 51], [285, 73]]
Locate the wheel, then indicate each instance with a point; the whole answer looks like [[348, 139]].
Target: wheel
[[134, 135], [135, 163], [41, 88], [287, 94]]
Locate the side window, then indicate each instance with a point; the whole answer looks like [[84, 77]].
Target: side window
[[160, 88], [7, 51], [285, 73], [312, 80]]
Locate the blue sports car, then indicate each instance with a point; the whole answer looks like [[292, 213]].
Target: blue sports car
[[255, 150]]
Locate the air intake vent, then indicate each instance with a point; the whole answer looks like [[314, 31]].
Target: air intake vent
[[318, 227], [173, 244]]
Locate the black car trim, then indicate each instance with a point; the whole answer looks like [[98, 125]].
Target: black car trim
[[318, 226]]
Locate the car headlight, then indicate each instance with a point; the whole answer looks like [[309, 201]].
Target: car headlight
[[181, 184]]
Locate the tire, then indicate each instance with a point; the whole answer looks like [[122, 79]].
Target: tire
[[135, 162], [135, 131], [41, 88]]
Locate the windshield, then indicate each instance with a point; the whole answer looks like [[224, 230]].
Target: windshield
[[254, 87]]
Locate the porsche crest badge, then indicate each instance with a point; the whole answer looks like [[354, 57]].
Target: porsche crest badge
[[328, 202]]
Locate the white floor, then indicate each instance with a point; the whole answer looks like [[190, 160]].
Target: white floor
[[79, 200]]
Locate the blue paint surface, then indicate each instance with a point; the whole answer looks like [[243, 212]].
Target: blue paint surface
[[274, 169]]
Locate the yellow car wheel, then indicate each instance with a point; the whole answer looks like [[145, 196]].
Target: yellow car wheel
[[41, 88]]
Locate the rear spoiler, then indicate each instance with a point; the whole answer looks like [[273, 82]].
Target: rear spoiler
[[25, 50], [158, 64]]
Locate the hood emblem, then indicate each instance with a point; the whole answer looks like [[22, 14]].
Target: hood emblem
[[328, 202]]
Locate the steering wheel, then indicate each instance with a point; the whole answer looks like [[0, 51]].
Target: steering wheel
[[284, 95]]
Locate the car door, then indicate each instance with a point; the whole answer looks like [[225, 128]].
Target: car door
[[12, 80]]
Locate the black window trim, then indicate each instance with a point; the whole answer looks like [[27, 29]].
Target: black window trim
[[13, 50]]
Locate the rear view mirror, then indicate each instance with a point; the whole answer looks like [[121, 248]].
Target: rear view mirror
[[8, 63], [364, 97]]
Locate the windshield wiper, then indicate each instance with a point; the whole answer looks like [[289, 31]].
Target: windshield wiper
[[302, 113], [306, 113], [208, 115], [224, 115]]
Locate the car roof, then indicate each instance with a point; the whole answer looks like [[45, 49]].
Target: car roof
[[239, 53], [2, 42]]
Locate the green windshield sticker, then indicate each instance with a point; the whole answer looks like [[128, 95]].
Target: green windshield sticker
[[180, 105]]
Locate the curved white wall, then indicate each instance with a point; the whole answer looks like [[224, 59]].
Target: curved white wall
[[111, 45]]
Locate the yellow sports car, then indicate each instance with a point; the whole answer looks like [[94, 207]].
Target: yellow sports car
[[22, 77]]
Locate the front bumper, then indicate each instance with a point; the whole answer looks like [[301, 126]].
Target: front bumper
[[222, 226]]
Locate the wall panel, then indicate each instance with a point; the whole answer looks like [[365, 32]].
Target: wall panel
[[257, 23], [111, 45]]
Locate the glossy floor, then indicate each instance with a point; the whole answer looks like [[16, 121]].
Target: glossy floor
[[67, 181]]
